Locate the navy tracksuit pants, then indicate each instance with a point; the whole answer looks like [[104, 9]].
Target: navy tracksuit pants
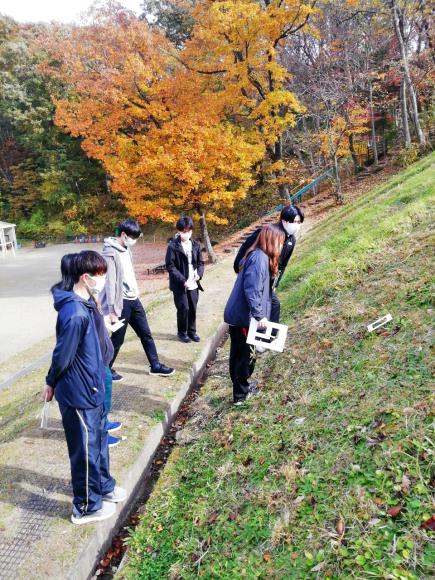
[[86, 437]]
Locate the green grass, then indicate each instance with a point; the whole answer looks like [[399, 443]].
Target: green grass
[[303, 480]]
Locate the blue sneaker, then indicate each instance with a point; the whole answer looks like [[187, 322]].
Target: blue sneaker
[[113, 441], [113, 426], [116, 377]]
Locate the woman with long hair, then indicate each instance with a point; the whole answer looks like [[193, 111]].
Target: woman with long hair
[[251, 297]]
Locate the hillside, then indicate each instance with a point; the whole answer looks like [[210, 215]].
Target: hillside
[[327, 473]]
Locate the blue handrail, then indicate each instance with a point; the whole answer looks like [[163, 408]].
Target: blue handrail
[[296, 196]]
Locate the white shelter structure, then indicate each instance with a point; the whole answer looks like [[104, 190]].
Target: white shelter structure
[[8, 238]]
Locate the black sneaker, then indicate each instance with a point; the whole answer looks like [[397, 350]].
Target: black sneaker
[[116, 377], [183, 337], [194, 337], [162, 371]]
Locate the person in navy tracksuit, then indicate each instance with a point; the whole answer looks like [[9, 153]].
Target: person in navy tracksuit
[[76, 378], [251, 297]]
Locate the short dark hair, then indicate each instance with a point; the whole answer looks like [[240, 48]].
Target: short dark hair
[[129, 227], [88, 262], [184, 223], [289, 212]]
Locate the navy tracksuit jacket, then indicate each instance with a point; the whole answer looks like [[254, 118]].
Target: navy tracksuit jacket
[[77, 374]]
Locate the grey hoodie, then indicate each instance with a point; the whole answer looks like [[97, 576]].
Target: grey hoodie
[[112, 295]]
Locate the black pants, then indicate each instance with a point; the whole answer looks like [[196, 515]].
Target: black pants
[[276, 308], [86, 437], [134, 315], [242, 362], [186, 303]]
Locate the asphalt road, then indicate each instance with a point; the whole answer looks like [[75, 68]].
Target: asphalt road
[[26, 307]]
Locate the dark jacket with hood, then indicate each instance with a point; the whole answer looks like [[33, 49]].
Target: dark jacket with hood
[[178, 266], [287, 250], [251, 295], [77, 369]]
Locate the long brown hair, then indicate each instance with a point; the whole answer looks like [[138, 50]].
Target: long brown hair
[[270, 240]]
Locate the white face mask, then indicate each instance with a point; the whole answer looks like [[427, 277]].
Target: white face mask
[[291, 229], [129, 242], [185, 236], [100, 282]]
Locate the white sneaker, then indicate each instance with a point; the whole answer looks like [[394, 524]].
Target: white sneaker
[[107, 511], [115, 496]]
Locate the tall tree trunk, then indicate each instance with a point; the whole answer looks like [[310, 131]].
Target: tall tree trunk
[[338, 191], [283, 190], [372, 123], [404, 111], [206, 238], [406, 73]]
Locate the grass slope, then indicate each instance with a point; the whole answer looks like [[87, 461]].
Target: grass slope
[[326, 474]]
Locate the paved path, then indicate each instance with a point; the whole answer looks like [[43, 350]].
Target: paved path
[[36, 536], [27, 314]]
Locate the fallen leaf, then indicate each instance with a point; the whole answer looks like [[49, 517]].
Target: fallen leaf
[[267, 557], [319, 567], [233, 516], [406, 484], [299, 499], [429, 524], [340, 526], [394, 511], [212, 517]]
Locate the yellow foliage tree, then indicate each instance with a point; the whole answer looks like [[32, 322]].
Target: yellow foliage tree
[[236, 44]]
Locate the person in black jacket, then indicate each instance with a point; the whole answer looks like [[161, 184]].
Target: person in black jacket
[[290, 222], [186, 268], [76, 378]]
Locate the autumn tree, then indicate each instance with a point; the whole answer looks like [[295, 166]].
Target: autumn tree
[[159, 132], [236, 45]]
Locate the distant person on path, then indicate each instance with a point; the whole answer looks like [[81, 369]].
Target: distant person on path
[[251, 297], [290, 222], [120, 297], [186, 268], [76, 378]]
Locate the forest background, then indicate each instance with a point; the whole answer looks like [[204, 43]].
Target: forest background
[[219, 109]]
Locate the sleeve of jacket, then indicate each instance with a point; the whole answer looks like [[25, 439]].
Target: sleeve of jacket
[[286, 257], [67, 343], [253, 286], [200, 263], [244, 248], [171, 268], [110, 287]]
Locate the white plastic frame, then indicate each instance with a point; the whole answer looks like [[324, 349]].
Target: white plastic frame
[[261, 338], [379, 322]]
